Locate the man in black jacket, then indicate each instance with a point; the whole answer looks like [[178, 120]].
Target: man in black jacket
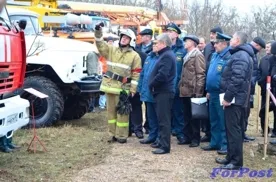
[[235, 83], [136, 116], [257, 45], [263, 72], [272, 73], [208, 52], [162, 86]]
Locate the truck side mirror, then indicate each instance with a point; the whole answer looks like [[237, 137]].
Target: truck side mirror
[[22, 24]]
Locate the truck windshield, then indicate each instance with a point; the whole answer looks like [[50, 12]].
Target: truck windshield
[[32, 27], [4, 20]]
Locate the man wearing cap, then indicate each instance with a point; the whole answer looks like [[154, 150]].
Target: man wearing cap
[[257, 45], [191, 85], [217, 64], [208, 52], [177, 110], [136, 115], [146, 45]]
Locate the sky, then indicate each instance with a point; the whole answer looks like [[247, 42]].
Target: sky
[[243, 6]]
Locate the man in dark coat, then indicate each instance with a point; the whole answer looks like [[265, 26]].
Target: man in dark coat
[[146, 44], [257, 45], [263, 72], [162, 86], [208, 52], [272, 73], [235, 84], [136, 116]]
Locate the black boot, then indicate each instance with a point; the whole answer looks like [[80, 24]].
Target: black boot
[[121, 141], [11, 145], [4, 145]]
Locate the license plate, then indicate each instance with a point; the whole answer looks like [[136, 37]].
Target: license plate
[[12, 118]]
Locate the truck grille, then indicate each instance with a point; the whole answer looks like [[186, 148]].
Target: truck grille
[[7, 77]]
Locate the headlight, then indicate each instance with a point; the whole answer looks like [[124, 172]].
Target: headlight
[[27, 113]]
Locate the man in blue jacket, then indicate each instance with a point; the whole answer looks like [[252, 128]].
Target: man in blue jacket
[[147, 97], [217, 64], [177, 108]]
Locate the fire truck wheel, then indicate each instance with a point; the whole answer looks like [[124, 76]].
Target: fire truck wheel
[[49, 110], [76, 106]]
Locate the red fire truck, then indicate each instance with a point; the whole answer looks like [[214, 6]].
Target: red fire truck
[[14, 111]]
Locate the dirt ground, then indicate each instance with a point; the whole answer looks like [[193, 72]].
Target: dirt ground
[[78, 152]]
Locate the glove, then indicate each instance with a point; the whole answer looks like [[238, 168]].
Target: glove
[[99, 26], [124, 106]]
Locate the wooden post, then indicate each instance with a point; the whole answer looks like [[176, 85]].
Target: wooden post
[[268, 83], [259, 105]]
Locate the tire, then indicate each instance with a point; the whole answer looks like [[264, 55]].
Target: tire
[[76, 106], [48, 110]]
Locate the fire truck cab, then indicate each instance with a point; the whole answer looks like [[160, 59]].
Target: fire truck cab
[[14, 111]]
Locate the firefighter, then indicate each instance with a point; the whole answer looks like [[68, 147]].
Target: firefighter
[[123, 71]]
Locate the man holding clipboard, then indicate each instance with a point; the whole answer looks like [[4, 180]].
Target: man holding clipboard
[[235, 83]]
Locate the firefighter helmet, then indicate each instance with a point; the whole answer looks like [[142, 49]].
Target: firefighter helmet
[[130, 34]]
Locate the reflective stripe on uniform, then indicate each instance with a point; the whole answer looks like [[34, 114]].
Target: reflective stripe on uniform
[[111, 90], [2, 48], [8, 48], [121, 125], [118, 65], [134, 82], [111, 121]]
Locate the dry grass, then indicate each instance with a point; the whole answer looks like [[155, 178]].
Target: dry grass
[[71, 147], [77, 151]]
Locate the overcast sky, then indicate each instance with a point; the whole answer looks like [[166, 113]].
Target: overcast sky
[[243, 6]]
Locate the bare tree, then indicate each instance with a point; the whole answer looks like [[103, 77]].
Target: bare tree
[[265, 20]]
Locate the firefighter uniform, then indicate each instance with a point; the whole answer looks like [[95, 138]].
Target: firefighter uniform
[[123, 70]]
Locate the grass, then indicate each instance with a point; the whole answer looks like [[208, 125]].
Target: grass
[[70, 147], [82, 144]]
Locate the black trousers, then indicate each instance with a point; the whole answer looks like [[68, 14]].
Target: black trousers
[[246, 116], [136, 116], [262, 114], [234, 123], [146, 124], [191, 127], [163, 106]]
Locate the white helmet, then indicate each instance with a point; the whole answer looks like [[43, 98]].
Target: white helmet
[[129, 33]]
